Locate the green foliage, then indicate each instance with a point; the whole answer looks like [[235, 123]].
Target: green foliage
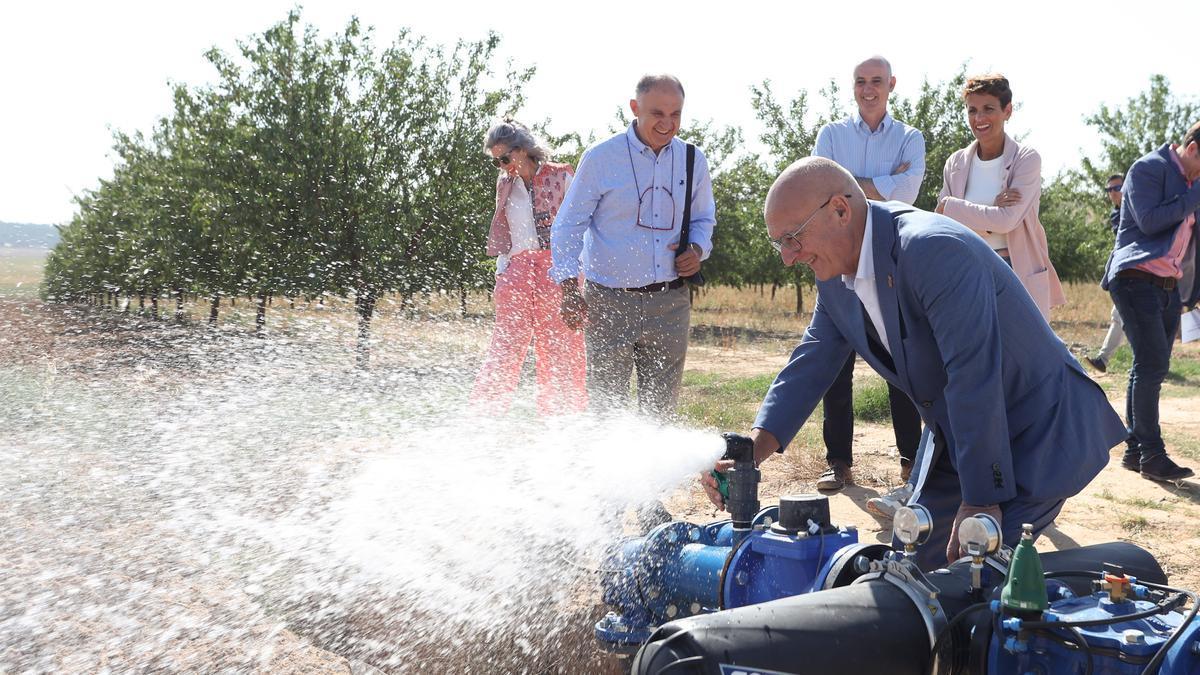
[[1077, 231], [1143, 123], [937, 111], [871, 402], [313, 165]]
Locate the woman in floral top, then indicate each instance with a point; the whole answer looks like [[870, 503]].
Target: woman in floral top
[[529, 191]]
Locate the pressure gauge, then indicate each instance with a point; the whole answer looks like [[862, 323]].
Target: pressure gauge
[[912, 525], [979, 535]]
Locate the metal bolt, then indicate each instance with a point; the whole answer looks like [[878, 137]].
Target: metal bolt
[[672, 536], [1133, 636], [694, 534], [861, 564], [672, 610], [768, 521], [741, 578], [695, 608], [653, 593]]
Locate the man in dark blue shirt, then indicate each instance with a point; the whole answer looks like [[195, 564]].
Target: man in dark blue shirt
[[1150, 275]]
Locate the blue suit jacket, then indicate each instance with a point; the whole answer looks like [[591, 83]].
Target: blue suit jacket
[[1155, 202], [1019, 416]]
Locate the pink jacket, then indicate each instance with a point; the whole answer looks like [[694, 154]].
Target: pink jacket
[[1027, 246], [549, 187]]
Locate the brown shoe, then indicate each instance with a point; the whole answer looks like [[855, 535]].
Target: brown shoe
[[836, 477]]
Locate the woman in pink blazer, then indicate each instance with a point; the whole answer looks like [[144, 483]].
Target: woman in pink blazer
[[994, 187], [529, 190]]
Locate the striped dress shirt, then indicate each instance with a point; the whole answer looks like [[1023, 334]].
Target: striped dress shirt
[[877, 154]]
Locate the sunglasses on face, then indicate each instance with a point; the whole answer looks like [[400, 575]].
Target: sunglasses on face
[[1113, 188], [502, 160]]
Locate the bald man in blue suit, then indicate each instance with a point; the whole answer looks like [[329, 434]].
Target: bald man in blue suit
[[1018, 426]]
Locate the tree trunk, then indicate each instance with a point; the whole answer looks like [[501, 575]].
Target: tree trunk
[[462, 302], [179, 304], [260, 317], [141, 302], [774, 287], [364, 303], [213, 310], [799, 299], [154, 305]]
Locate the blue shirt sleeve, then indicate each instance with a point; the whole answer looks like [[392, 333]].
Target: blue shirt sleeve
[[573, 219], [824, 145], [906, 186]]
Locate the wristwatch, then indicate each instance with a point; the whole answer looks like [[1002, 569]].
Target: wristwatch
[[696, 247]]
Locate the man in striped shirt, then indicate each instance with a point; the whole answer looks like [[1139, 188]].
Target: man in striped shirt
[[887, 158]]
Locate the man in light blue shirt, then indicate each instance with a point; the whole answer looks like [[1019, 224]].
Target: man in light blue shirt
[[619, 226], [887, 159]]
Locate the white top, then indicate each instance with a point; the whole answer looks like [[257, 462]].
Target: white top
[[863, 284], [519, 210], [984, 182]]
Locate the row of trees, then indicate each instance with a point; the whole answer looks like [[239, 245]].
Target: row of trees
[[328, 166]]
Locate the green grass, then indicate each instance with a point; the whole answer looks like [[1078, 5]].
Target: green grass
[[1183, 377], [731, 402], [1137, 502], [1134, 524], [723, 402], [21, 271]]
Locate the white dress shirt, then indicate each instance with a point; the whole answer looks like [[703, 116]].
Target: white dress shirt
[[863, 284]]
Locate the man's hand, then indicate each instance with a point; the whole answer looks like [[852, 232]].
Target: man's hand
[[765, 445], [710, 483], [1008, 197], [941, 207], [574, 309], [688, 262], [901, 169], [966, 511]]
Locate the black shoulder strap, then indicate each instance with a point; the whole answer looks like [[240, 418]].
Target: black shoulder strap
[[685, 228], [696, 279]]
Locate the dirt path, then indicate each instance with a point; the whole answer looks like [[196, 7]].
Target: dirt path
[[1118, 504]]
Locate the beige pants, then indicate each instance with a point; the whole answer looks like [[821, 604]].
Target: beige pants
[[644, 332]]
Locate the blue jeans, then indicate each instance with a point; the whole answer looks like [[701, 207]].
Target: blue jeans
[[1151, 318]]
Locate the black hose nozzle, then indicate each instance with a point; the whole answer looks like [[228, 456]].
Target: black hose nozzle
[[742, 502]]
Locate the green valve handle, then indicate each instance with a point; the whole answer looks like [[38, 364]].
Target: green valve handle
[[722, 483]]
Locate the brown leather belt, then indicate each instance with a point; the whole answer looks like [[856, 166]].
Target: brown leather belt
[[1165, 283], [656, 288]]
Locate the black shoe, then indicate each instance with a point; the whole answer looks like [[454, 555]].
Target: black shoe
[[1161, 468], [1098, 364], [1133, 462]]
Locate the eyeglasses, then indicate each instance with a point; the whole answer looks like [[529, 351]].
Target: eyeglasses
[[1113, 188], [794, 236], [502, 160]]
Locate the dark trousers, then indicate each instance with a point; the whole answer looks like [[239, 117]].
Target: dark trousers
[[838, 427], [1151, 318], [940, 492]]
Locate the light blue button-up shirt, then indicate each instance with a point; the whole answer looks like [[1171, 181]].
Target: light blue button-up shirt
[[876, 154], [616, 239]]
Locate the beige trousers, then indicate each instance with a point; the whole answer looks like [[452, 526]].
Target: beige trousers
[[629, 332]]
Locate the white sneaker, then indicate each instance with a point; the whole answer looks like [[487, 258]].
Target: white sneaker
[[887, 505]]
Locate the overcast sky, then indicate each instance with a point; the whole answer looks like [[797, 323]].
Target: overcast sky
[[73, 71]]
